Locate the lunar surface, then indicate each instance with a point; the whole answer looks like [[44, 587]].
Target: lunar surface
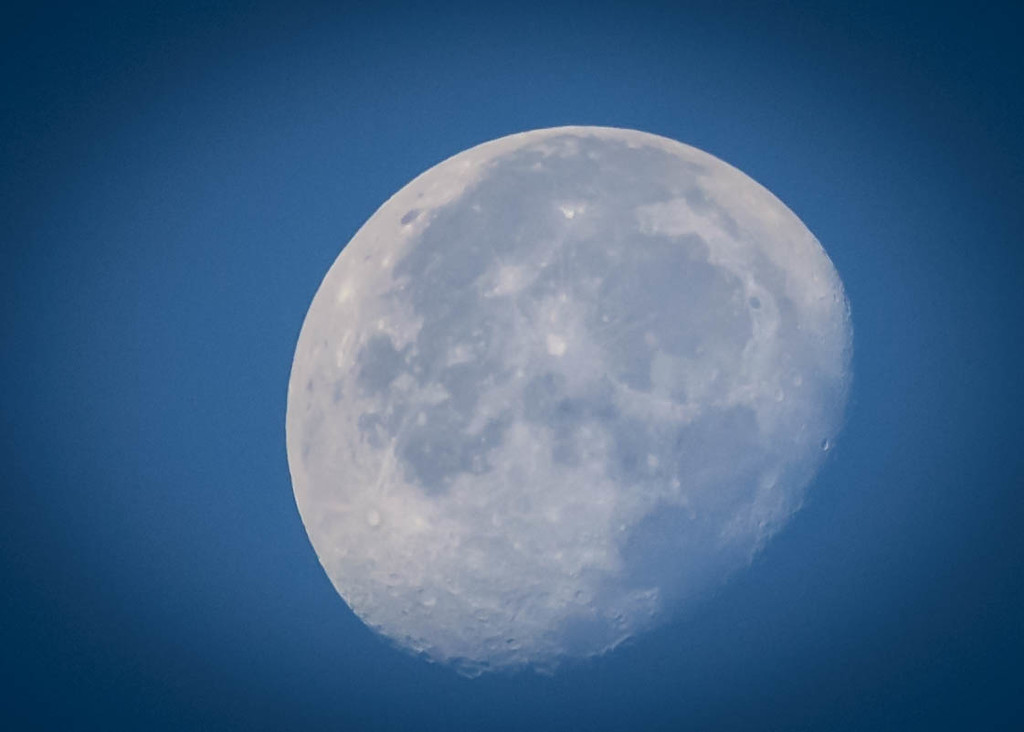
[[557, 389]]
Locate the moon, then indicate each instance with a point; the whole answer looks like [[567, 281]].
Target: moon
[[557, 390]]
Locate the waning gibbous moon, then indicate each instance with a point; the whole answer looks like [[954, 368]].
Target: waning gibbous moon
[[558, 388]]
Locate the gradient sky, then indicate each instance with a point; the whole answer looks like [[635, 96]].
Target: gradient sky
[[176, 179]]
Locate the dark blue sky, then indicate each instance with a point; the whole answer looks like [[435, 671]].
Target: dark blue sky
[[175, 179]]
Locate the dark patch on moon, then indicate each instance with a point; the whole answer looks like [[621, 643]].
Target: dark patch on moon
[[380, 363]]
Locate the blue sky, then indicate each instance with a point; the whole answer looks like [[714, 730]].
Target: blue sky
[[176, 178]]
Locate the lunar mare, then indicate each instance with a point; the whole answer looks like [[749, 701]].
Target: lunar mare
[[556, 389]]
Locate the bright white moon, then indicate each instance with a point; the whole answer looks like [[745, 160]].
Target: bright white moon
[[557, 388]]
